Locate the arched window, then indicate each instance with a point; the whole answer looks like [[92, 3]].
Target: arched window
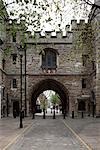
[[49, 59], [81, 106]]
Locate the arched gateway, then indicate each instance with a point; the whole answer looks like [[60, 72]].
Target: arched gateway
[[50, 84], [49, 62]]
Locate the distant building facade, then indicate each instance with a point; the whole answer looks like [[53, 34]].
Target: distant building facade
[[50, 62]]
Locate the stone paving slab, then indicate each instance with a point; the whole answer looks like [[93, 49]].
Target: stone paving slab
[[10, 131], [88, 129]]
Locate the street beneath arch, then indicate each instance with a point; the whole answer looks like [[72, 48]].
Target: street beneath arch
[[49, 134]]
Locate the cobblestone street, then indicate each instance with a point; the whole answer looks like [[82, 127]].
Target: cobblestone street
[[49, 134]]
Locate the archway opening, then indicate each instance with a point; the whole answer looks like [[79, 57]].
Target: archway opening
[[43, 86], [48, 101]]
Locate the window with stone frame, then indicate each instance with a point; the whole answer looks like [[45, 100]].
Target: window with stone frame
[[3, 91], [83, 83], [14, 58], [49, 59], [14, 83], [93, 65]]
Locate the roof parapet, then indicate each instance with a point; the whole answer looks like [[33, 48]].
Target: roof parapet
[[49, 37], [50, 34]]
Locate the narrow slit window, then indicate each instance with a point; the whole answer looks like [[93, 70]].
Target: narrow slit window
[[83, 83], [14, 83], [3, 64], [14, 58]]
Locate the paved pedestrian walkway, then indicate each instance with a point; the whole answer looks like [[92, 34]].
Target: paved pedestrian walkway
[[10, 131], [86, 130]]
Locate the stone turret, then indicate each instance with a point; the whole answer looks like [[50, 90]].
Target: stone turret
[[78, 26]]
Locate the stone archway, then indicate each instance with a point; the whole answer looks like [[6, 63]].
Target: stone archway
[[50, 84]]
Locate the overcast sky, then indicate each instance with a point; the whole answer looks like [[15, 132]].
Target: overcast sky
[[67, 14]]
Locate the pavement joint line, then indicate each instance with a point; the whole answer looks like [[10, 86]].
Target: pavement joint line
[[78, 137], [17, 136]]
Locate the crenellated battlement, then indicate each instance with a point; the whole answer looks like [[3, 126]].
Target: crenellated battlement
[[50, 36], [78, 26], [20, 25]]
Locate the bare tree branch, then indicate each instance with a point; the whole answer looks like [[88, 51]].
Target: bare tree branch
[[92, 4], [88, 2], [7, 5]]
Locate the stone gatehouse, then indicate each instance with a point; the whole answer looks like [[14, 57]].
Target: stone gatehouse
[[50, 61]]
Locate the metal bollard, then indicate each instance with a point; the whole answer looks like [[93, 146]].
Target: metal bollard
[[73, 114], [82, 115], [33, 116], [64, 115]]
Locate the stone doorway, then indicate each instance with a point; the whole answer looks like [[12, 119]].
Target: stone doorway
[[16, 107]]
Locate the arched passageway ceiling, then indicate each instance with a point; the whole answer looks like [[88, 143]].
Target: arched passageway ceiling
[[50, 84]]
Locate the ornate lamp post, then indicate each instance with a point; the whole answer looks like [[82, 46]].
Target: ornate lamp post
[[22, 49], [25, 82]]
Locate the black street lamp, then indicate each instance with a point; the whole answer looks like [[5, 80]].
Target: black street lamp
[[21, 113], [7, 105], [25, 82], [43, 113]]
